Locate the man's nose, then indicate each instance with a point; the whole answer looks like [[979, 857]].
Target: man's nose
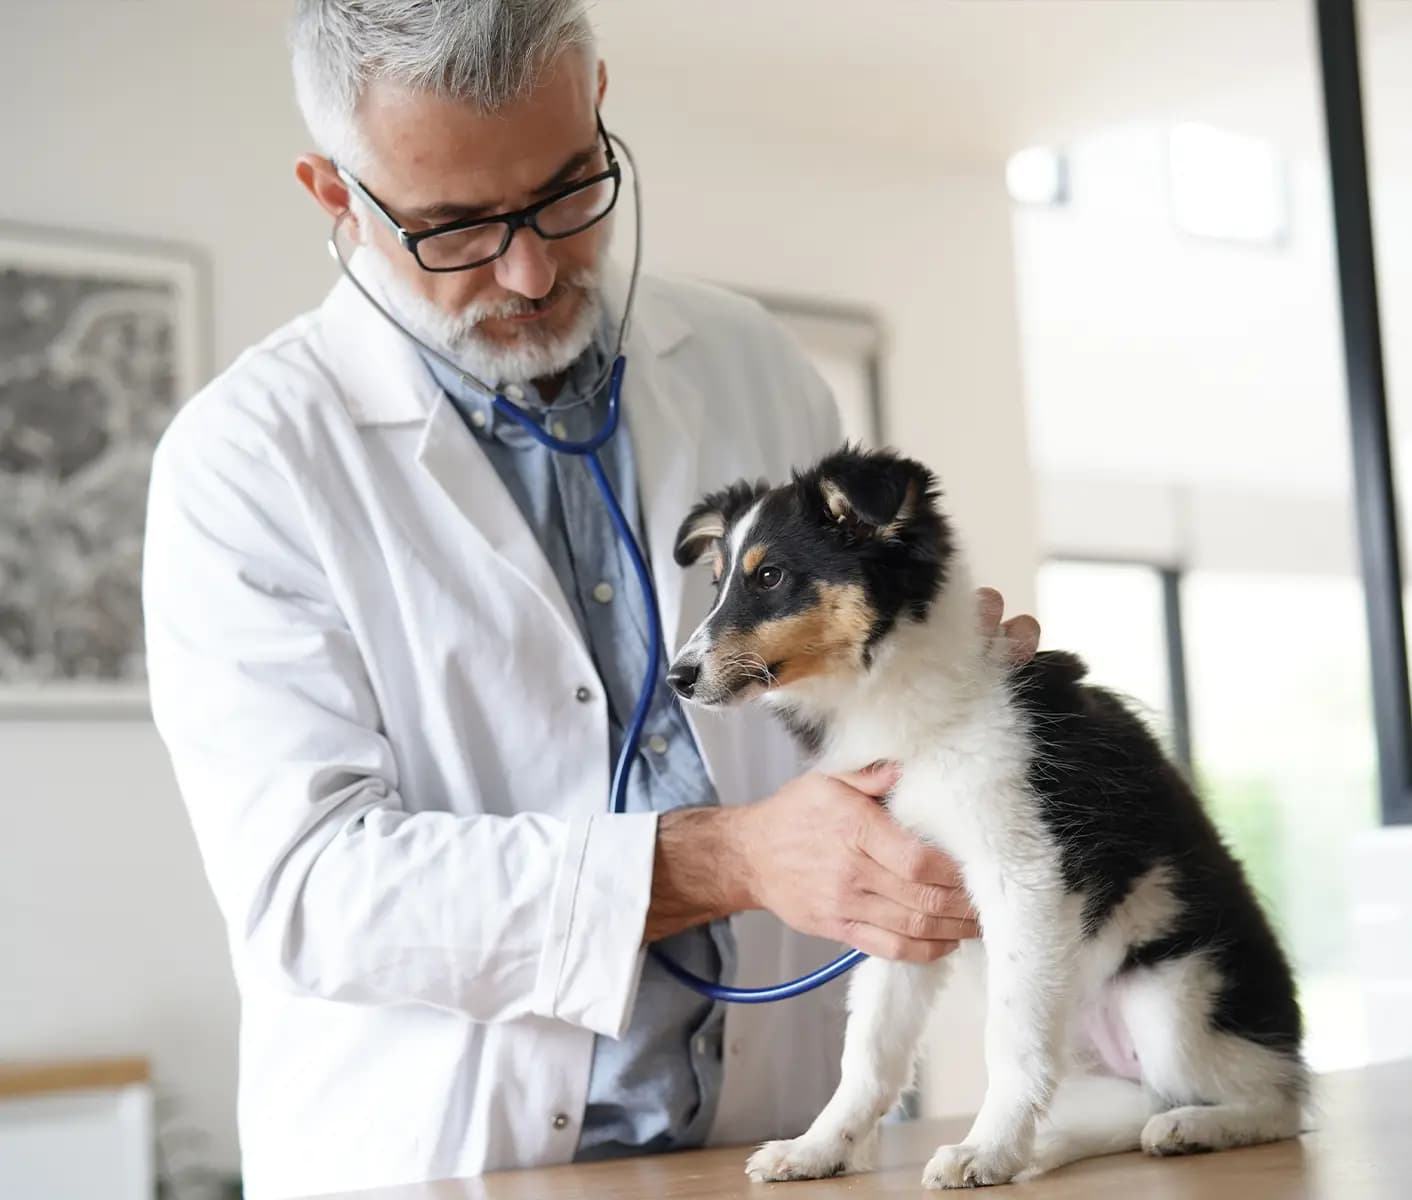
[[526, 268], [683, 676]]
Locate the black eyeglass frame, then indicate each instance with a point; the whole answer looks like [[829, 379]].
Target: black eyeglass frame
[[523, 218]]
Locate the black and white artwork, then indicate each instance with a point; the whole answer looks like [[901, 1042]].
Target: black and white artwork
[[99, 346]]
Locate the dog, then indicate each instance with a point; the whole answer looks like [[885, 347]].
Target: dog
[[1121, 939]]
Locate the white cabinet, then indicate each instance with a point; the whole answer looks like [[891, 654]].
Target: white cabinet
[[76, 1131]]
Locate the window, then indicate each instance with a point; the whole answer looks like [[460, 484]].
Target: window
[[1225, 185], [1111, 615], [1283, 743], [1038, 175]]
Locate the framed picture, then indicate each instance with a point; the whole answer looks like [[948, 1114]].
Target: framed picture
[[101, 340]]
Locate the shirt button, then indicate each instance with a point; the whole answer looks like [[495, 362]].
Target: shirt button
[[603, 592], [478, 419], [559, 430], [513, 391], [700, 1046], [583, 695], [657, 744], [561, 1120]]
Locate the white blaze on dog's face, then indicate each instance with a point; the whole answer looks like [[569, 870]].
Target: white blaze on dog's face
[[811, 575]]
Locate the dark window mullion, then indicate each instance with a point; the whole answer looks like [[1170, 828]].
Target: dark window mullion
[[1374, 486], [1176, 664]]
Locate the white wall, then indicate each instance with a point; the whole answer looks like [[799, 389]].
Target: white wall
[[110, 944], [167, 121], [1186, 396], [173, 120]]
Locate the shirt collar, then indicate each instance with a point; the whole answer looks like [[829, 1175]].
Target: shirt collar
[[479, 411]]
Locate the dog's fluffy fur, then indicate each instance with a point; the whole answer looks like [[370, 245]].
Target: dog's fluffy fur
[[1104, 892]]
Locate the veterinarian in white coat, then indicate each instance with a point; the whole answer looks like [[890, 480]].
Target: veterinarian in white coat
[[393, 740], [395, 749]]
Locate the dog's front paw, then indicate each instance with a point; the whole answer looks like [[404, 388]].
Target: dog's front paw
[[970, 1166], [801, 1158]]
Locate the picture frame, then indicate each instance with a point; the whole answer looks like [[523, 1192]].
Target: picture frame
[[102, 339]]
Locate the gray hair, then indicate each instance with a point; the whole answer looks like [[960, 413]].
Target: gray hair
[[486, 53]]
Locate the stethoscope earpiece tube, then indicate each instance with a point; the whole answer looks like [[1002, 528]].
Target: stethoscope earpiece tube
[[588, 451]]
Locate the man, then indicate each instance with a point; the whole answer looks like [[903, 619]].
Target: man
[[394, 644]]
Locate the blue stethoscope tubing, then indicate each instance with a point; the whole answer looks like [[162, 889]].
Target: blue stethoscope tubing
[[588, 451]]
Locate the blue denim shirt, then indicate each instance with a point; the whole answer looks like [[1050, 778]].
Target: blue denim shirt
[[656, 1088]]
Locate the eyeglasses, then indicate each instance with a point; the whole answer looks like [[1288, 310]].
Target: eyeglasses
[[462, 245]]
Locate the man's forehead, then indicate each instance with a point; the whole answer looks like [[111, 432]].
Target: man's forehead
[[428, 149]]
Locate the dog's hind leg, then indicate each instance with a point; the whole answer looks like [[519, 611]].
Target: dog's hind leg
[[1225, 1090], [888, 1006], [1196, 1128]]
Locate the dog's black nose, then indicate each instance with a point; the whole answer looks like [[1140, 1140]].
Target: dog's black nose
[[682, 678]]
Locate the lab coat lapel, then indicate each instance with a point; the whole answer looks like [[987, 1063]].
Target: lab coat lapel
[[451, 455], [663, 412], [386, 382]]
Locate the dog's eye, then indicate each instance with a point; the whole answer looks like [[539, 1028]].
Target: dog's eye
[[770, 577]]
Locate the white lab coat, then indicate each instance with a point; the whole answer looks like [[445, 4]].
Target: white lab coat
[[368, 680]]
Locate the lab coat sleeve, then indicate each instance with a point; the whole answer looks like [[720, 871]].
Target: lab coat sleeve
[[329, 884]]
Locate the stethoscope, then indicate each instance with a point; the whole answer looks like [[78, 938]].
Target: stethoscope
[[587, 449]]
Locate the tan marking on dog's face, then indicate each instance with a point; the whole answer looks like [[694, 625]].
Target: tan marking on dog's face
[[827, 636], [753, 557]]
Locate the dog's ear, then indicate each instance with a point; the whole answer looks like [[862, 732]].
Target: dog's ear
[[872, 494], [709, 521]]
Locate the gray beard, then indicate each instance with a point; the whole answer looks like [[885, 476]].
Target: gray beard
[[457, 336]]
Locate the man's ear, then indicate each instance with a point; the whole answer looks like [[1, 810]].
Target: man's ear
[[320, 179], [872, 494], [708, 522]]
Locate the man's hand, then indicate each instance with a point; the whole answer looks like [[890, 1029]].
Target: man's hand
[[825, 857], [1021, 632]]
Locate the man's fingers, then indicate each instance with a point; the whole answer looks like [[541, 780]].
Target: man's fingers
[[990, 606], [1022, 633], [930, 899], [883, 943], [883, 912], [875, 781], [899, 852]]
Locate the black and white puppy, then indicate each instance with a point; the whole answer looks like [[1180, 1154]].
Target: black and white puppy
[[1120, 935]]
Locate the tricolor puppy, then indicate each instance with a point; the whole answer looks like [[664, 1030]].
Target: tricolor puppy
[[1121, 938]]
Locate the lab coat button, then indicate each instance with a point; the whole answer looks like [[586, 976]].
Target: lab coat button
[[561, 1120], [583, 695]]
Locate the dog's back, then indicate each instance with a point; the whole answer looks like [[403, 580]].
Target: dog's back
[[1117, 807]]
